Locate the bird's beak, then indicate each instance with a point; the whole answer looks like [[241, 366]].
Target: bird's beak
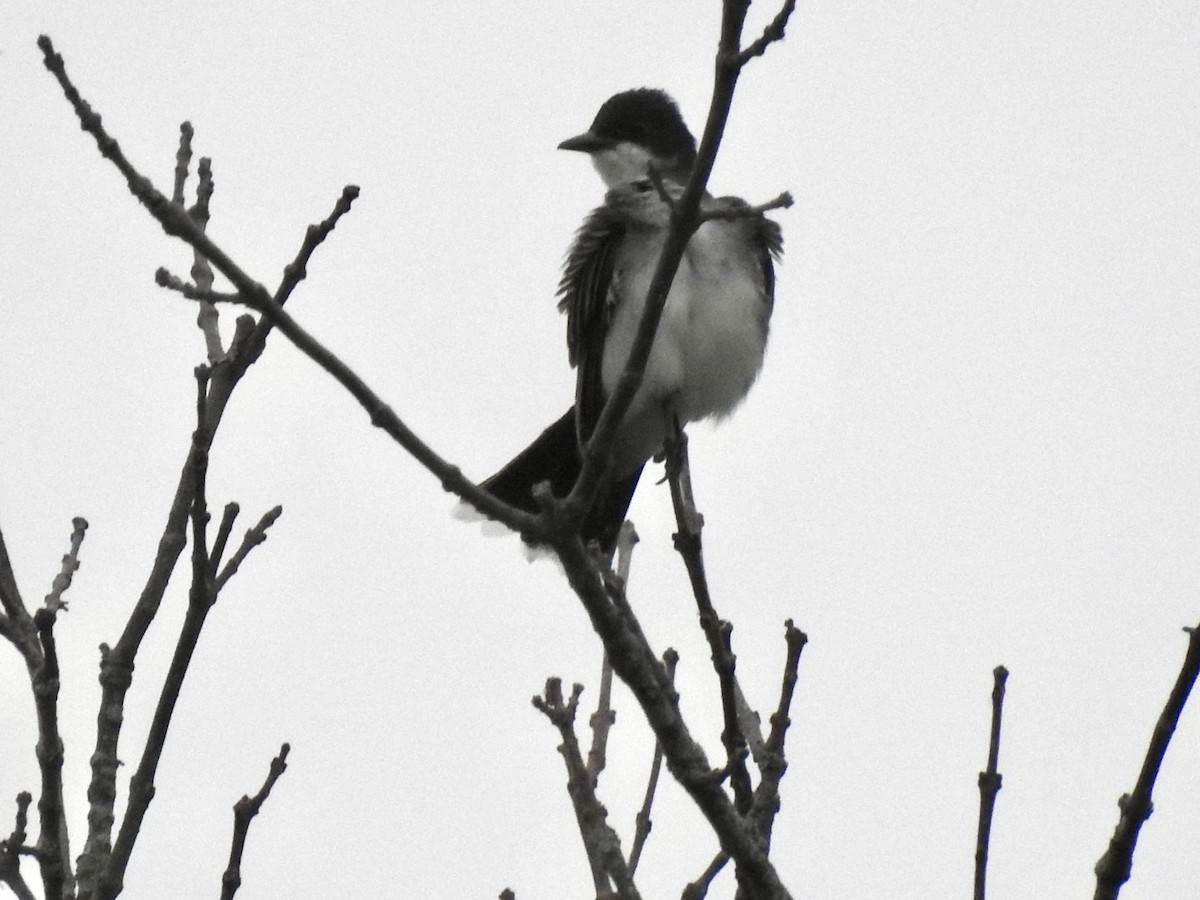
[[586, 143]]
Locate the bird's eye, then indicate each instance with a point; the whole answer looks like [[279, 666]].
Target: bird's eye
[[642, 186]]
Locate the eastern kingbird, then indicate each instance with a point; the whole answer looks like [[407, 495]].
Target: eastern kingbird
[[710, 341]]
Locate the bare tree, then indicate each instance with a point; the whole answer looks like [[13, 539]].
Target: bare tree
[[739, 795]]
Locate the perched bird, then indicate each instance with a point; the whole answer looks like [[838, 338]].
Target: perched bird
[[710, 340]]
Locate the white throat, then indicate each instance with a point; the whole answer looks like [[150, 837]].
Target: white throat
[[625, 163]]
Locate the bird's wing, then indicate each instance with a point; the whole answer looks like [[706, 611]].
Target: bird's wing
[[770, 241], [585, 294], [767, 237]]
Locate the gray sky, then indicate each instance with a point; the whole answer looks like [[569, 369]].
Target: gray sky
[[974, 441]]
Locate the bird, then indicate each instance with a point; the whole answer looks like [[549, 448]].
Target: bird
[[712, 335]]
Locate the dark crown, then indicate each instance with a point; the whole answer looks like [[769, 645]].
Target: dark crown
[[647, 117]]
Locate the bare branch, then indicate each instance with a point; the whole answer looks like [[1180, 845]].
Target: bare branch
[[601, 843], [208, 319], [382, 415], [632, 658], [16, 625], [643, 823], [11, 849], [70, 563], [117, 662], [223, 532], [989, 784], [183, 158], [772, 763], [243, 811], [604, 716], [796, 641], [53, 846], [742, 210], [253, 538], [201, 596], [717, 631], [698, 889], [635, 663], [10, 596], [771, 34], [1114, 866]]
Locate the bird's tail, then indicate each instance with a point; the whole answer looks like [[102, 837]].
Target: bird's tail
[[554, 457]]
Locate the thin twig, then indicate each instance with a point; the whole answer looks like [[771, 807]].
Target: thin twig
[[636, 665], [600, 842], [228, 517], [70, 563], [201, 595], [717, 631], [772, 33], [252, 539], [1115, 865], [643, 823], [698, 889], [742, 210], [989, 784], [632, 658], [604, 716], [116, 669], [382, 415], [208, 319], [16, 625], [11, 849], [243, 811], [772, 761], [183, 159]]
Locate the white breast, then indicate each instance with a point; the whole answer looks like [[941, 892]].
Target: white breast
[[710, 342]]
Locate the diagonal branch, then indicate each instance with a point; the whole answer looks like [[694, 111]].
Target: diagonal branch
[[601, 843], [16, 625], [643, 823], [116, 668], [382, 415], [1115, 865], [632, 658], [636, 665], [253, 538], [243, 812], [698, 889], [717, 631], [772, 33]]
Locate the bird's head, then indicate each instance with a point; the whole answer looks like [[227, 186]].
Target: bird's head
[[633, 130]]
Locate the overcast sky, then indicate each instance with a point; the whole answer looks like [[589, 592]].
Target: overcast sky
[[974, 441]]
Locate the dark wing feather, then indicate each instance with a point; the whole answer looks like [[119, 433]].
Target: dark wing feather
[[585, 297], [770, 238]]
